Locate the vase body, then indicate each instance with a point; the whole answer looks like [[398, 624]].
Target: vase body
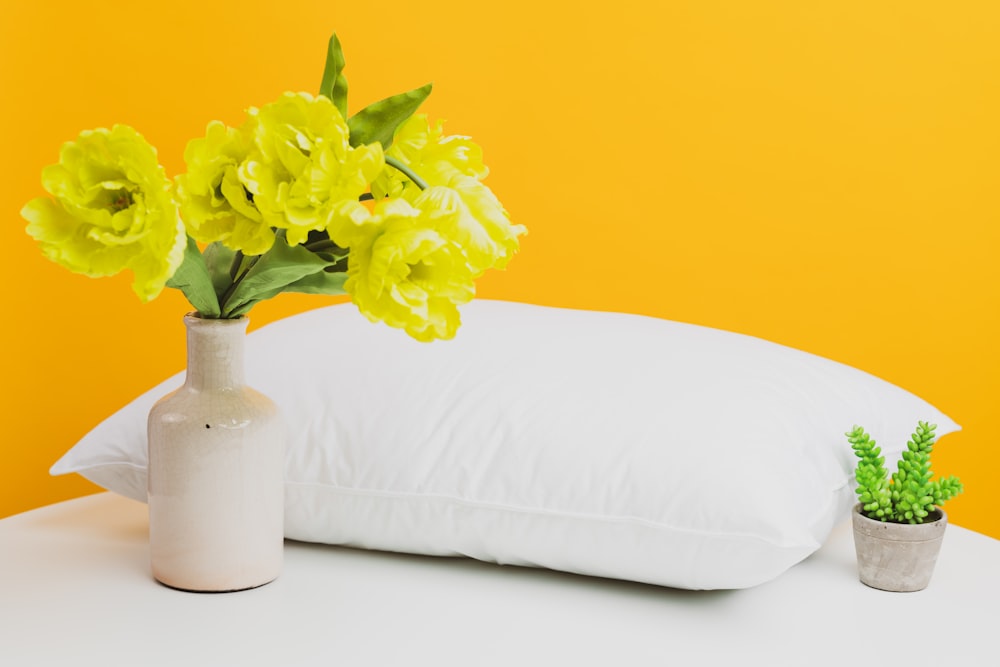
[[216, 471], [897, 556]]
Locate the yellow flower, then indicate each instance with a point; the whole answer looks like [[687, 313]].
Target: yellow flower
[[112, 210], [436, 157], [351, 224], [405, 272], [477, 223], [214, 203], [482, 225], [304, 166]]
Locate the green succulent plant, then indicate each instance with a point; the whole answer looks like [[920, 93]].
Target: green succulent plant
[[910, 495]]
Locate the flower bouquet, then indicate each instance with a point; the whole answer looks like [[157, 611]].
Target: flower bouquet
[[381, 205]]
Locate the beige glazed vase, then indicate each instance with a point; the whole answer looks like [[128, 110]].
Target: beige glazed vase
[[897, 557], [216, 470]]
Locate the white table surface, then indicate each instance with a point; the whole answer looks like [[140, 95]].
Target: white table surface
[[75, 589]]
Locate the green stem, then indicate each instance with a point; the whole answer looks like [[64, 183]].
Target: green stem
[[406, 171], [234, 267], [237, 277]]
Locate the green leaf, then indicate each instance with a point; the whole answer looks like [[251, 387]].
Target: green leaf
[[281, 266], [321, 282], [378, 121], [334, 84], [192, 278]]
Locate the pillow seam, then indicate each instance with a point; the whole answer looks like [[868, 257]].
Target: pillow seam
[[92, 466], [478, 504]]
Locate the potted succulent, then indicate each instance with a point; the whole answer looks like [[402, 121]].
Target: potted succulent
[[898, 522]]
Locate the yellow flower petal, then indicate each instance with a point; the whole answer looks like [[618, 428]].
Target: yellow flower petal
[[304, 166], [452, 166], [215, 204], [111, 210], [407, 274]]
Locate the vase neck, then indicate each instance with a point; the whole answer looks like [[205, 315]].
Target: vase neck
[[214, 353]]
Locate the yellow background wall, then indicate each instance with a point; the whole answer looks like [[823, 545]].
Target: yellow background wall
[[822, 174]]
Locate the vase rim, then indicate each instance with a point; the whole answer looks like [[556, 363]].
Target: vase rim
[[195, 317]]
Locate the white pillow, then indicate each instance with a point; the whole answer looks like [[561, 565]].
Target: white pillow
[[599, 443]]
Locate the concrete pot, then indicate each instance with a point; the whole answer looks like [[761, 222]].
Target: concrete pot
[[897, 556]]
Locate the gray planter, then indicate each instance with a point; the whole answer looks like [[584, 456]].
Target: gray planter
[[897, 556]]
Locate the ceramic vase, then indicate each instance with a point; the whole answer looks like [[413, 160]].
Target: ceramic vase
[[897, 557], [216, 469]]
